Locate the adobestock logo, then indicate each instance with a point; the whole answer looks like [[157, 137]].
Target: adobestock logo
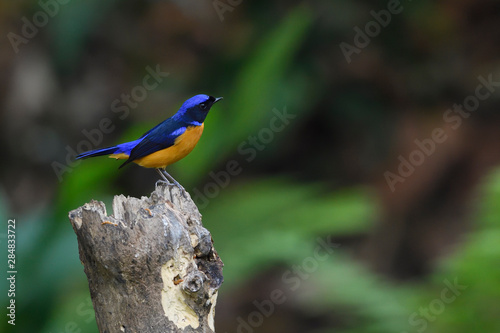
[[225, 6], [291, 280], [454, 118], [249, 149], [420, 320], [372, 29], [40, 19]]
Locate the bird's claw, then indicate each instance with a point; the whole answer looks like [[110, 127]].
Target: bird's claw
[[179, 186], [161, 181]]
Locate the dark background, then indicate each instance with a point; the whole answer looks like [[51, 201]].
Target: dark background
[[310, 212]]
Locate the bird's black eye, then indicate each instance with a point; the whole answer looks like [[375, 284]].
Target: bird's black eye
[[203, 106]]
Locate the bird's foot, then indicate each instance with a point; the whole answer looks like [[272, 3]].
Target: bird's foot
[[166, 177], [181, 188], [161, 181], [176, 184]]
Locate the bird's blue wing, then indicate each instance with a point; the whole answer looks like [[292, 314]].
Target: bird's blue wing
[[160, 137]]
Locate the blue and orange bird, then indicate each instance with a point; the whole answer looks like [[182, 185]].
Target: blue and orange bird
[[167, 142]]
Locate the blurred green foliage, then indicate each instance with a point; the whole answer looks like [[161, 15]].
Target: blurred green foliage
[[256, 91], [260, 223]]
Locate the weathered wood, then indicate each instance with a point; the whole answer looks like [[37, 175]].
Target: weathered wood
[[151, 266]]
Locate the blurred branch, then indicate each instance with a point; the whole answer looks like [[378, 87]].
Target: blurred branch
[[151, 267]]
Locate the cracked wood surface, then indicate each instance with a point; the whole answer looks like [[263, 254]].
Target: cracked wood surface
[[151, 266]]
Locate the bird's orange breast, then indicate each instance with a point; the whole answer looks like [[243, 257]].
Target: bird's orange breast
[[183, 145]]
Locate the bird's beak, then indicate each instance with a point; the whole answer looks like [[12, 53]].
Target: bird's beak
[[217, 99]]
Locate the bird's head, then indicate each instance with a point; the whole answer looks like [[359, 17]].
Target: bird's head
[[195, 109]]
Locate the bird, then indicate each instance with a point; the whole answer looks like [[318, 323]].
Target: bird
[[166, 143]]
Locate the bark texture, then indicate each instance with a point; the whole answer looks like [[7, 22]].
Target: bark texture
[[151, 266]]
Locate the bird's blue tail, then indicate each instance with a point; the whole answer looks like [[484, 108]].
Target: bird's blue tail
[[98, 152]]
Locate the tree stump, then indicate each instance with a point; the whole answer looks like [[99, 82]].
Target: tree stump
[[151, 266]]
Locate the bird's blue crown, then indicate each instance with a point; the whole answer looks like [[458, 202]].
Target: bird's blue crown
[[195, 109]]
